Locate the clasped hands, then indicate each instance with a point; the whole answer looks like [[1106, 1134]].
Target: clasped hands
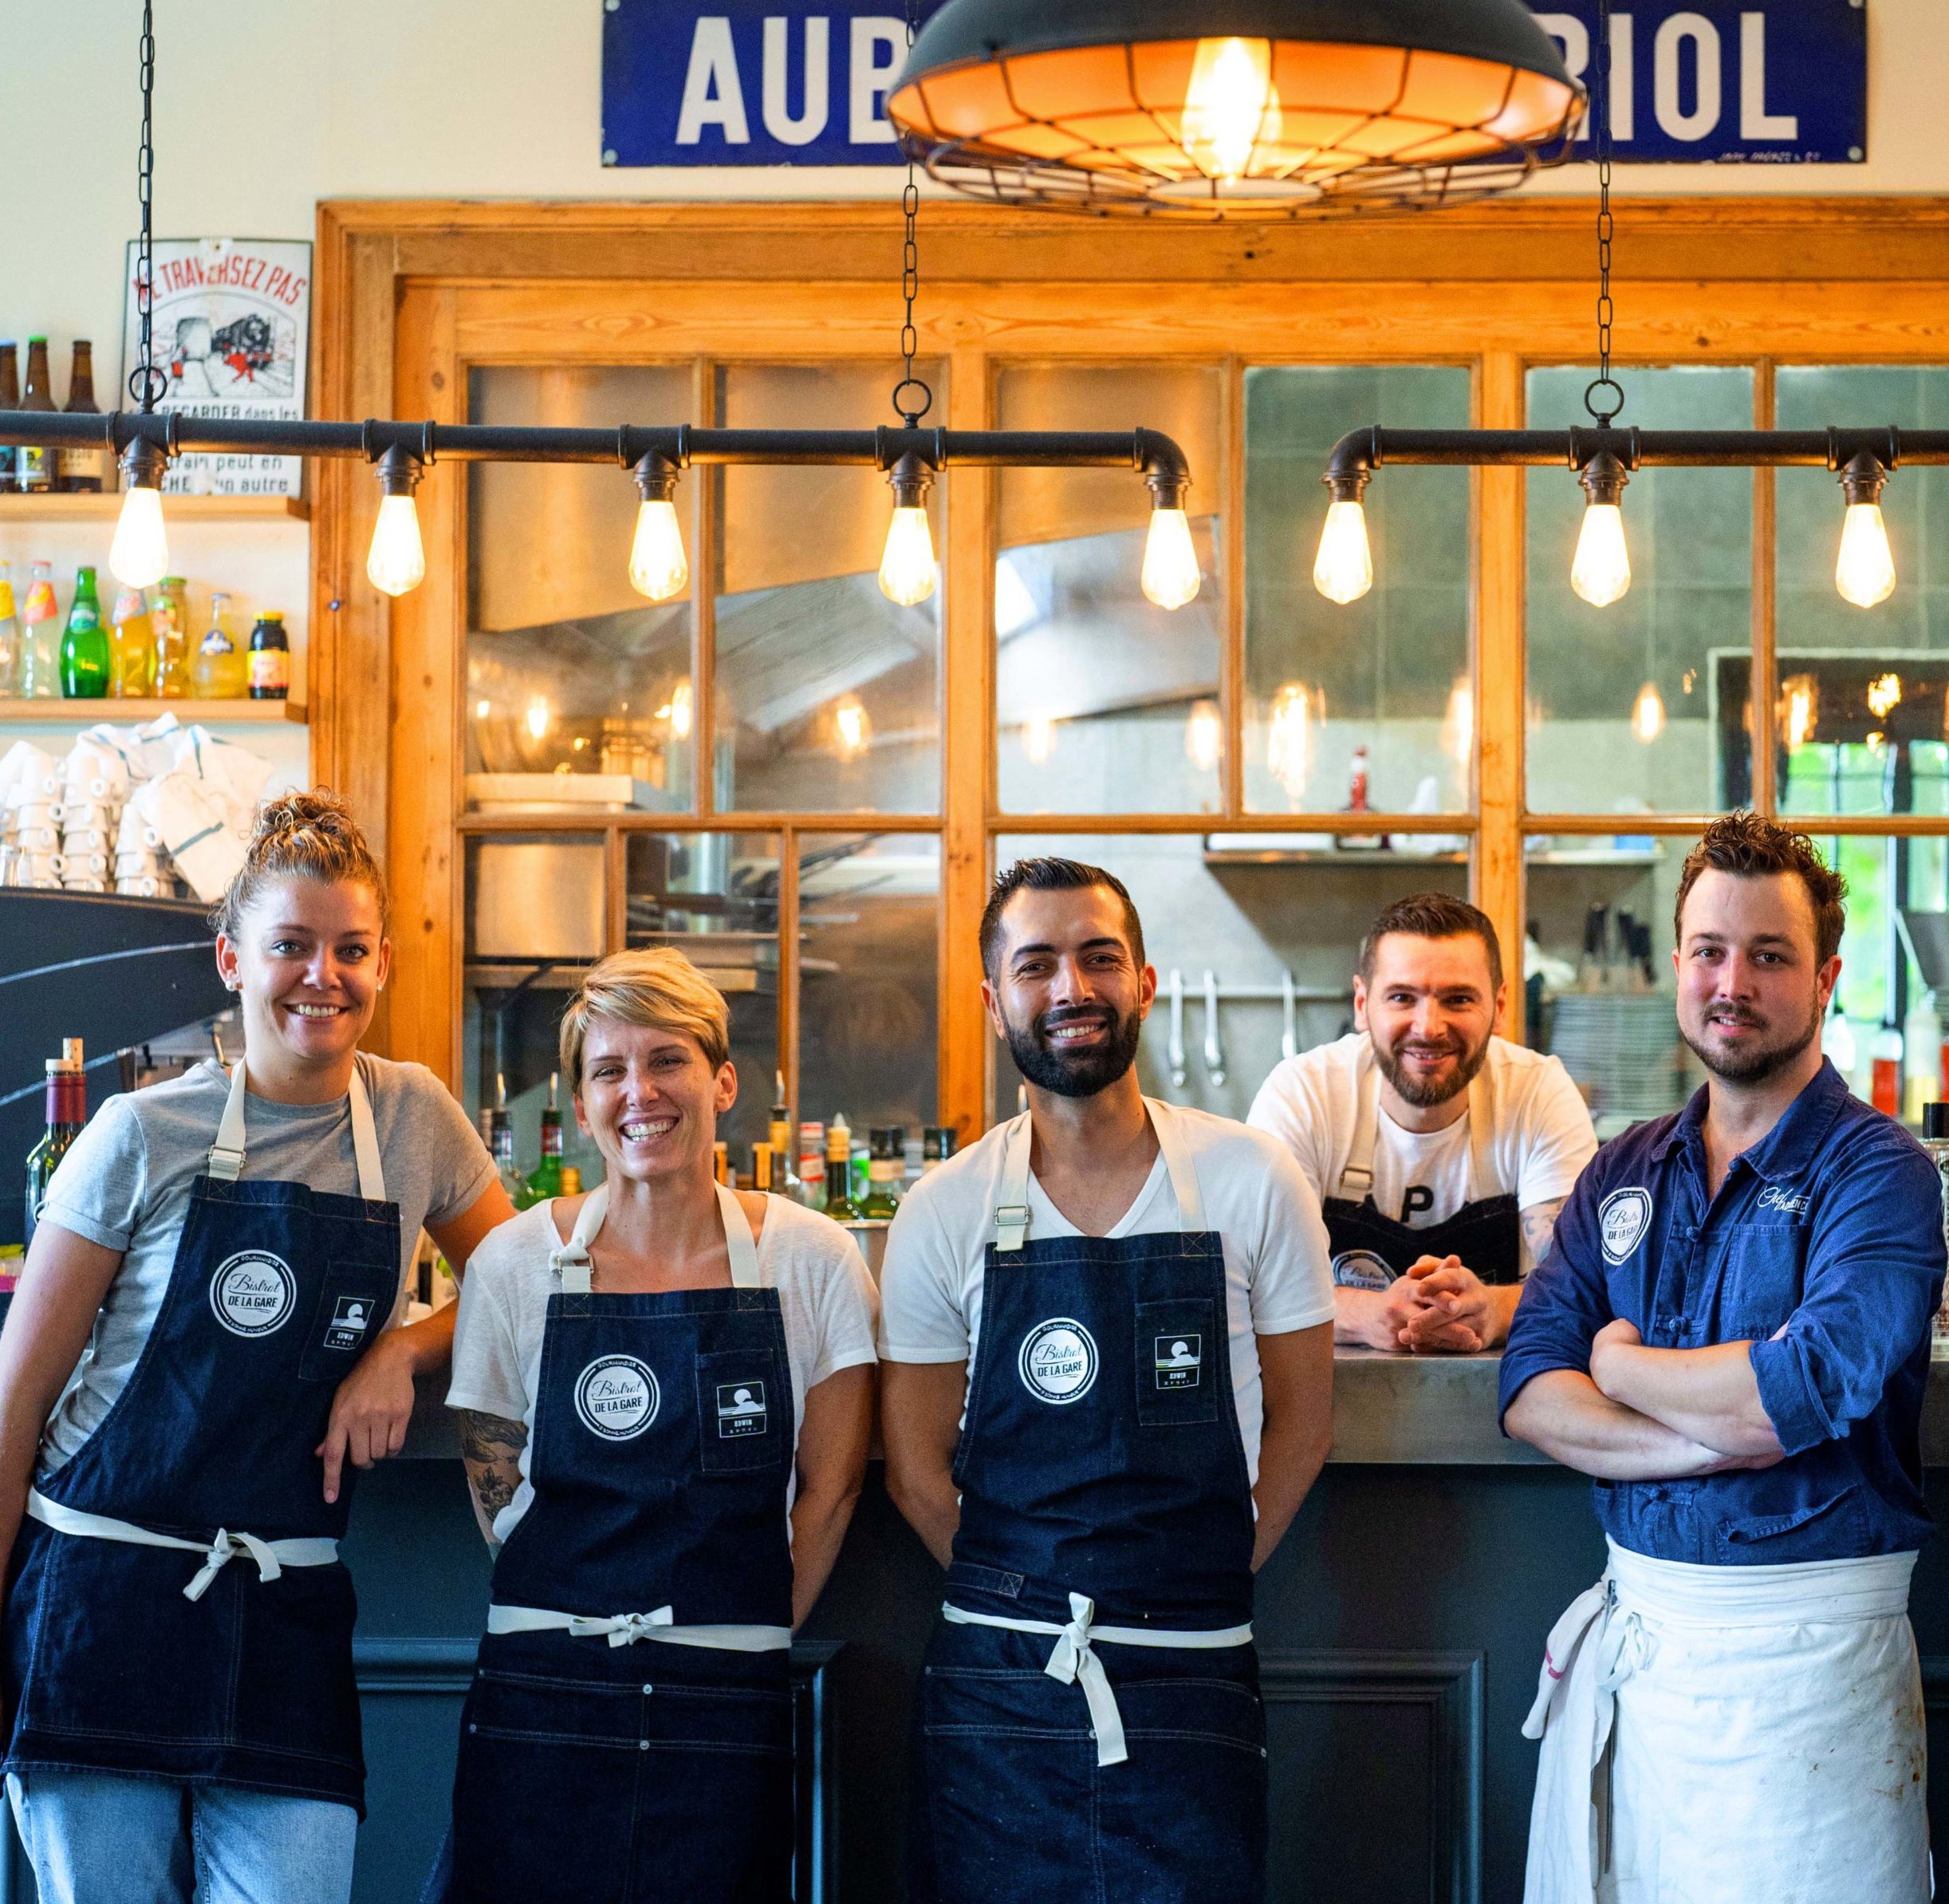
[[1437, 1306]]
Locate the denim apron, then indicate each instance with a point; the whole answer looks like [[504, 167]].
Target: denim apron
[[1370, 1251], [1105, 1502], [628, 1732], [122, 1656]]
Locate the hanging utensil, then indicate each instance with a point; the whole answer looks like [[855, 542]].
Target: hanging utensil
[[1174, 1051], [1215, 1056], [1289, 1018]]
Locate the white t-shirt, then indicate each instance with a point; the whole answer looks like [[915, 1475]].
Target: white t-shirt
[[1542, 1136], [823, 1289], [1277, 1276]]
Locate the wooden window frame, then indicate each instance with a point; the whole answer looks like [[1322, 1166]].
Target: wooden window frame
[[412, 294]]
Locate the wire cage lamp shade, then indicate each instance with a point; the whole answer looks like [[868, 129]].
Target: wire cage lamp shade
[[1266, 108]]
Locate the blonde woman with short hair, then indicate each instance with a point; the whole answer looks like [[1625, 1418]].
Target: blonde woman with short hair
[[665, 1391], [228, 1252]]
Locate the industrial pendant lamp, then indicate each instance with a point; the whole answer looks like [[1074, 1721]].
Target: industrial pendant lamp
[[1266, 107]]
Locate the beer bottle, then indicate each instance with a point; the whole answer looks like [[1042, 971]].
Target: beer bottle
[[839, 1204], [10, 642], [270, 658], [33, 463], [131, 644], [39, 656], [886, 1171], [169, 616], [82, 468], [9, 400], [67, 1111], [84, 656]]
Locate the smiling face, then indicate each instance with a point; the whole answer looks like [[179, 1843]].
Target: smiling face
[[1430, 1007], [1752, 989], [308, 960], [1067, 992], [649, 1099]]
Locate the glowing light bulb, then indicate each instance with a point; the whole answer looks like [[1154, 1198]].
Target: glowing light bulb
[[1601, 573], [908, 572], [1458, 733], [1038, 739], [483, 709], [1288, 739], [1231, 106], [396, 562], [1648, 713], [1343, 569], [852, 725], [1170, 572], [1865, 573], [1204, 736], [539, 716], [658, 566], [140, 554], [682, 710], [1802, 710]]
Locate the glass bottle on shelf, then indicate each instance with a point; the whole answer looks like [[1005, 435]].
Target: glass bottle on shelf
[[33, 464], [812, 1165], [83, 468], [40, 654], [9, 400], [502, 1147], [885, 1172], [67, 1111], [84, 656], [785, 1179], [132, 647], [544, 1180], [169, 617], [839, 1204], [270, 658], [11, 638], [1886, 1089], [761, 1169], [1936, 1141], [220, 670]]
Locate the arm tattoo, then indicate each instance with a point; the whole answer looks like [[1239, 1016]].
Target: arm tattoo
[[1539, 1229], [491, 1446]]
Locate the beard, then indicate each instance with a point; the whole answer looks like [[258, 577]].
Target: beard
[[1756, 1065], [1425, 1092], [1080, 1073]]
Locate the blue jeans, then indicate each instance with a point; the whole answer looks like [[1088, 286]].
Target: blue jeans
[[103, 1838]]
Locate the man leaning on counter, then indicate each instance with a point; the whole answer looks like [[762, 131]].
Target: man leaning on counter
[[1440, 1153]]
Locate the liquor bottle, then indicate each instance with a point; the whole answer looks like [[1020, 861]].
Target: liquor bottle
[[721, 1164], [502, 1147], [1922, 1041], [219, 671], [67, 1111], [785, 1179], [839, 1204], [34, 465], [169, 616], [11, 638], [761, 1169], [937, 1144], [1357, 780], [131, 648], [83, 468], [888, 1166], [544, 1179], [270, 658], [85, 656], [40, 652], [9, 400], [812, 1165], [571, 1181], [1886, 1092]]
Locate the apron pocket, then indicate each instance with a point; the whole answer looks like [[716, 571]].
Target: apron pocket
[[744, 1411], [353, 1304], [1177, 1343]]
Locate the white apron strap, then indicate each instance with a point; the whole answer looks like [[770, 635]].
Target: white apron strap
[[226, 1155], [1356, 1181], [1011, 1213], [1482, 1129], [627, 1629], [1178, 1164], [570, 1260], [738, 1239]]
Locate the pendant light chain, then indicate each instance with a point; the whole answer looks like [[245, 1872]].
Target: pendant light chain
[[1604, 414], [146, 383], [910, 277]]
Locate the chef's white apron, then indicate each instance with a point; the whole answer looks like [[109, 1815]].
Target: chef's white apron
[[1732, 1735]]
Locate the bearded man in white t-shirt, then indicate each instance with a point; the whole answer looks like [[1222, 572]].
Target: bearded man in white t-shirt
[[1441, 1153]]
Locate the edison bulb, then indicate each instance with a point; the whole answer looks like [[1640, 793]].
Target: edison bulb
[[1038, 739], [1229, 107], [396, 562], [682, 710], [1204, 736], [1601, 573], [1648, 713], [1170, 575], [908, 572], [1865, 572], [658, 566], [852, 725], [1288, 743], [140, 554], [1343, 571]]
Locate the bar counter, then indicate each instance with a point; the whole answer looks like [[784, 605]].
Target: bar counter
[[1400, 1625]]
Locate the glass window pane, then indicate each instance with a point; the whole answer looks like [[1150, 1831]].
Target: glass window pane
[[1630, 710], [828, 694], [715, 897], [569, 671], [1105, 703], [1389, 673], [869, 944], [1248, 912]]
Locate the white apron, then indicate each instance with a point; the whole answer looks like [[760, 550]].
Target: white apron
[[1765, 1738]]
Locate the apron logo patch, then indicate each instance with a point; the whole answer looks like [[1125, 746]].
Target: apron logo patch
[[1058, 1360], [253, 1293], [741, 1409], [1181, 1359], [346, 1327], [618, 1397], [1622, 1220], [1362, 1269]]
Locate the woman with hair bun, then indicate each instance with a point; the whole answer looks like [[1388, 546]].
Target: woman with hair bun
[[199, 1343]]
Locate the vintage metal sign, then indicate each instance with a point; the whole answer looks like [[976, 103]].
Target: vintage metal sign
[[781, 82]]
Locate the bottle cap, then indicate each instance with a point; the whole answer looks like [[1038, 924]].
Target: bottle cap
[[1936, 1122], [271, 615]]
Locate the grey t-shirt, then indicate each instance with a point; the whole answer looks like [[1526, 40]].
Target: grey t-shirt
[[125, 1184]]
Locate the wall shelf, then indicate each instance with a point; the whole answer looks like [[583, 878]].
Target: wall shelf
[[85, 714], [19, 509]]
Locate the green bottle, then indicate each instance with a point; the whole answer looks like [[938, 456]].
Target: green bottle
[[839, 1204], [85, 659], [887, 1170], [544, 1179]]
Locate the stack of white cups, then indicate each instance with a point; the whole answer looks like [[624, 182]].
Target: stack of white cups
[[95, 784], [30, 853], [142, 869]]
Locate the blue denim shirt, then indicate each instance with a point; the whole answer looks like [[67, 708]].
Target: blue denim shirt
[[1832, 1225]]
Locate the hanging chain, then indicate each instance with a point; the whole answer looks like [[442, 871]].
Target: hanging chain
[[1606, 413], [910, 278], [146, 383]]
